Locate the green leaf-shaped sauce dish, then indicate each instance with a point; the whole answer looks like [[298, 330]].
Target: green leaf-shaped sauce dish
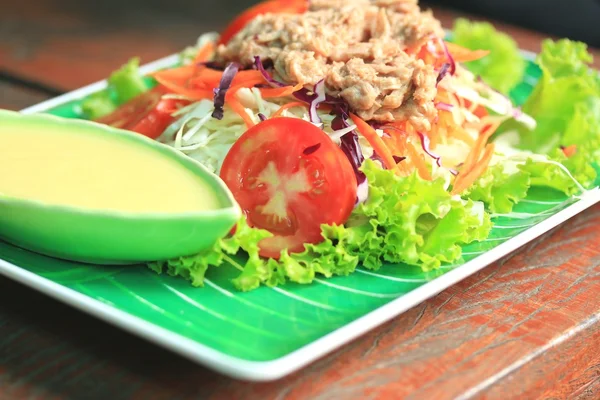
[[82, 191]]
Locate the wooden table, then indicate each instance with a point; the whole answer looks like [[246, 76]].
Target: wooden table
[[526, 327]]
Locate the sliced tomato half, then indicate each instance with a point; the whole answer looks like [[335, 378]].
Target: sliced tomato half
[[289, 177], [148, 114], [269, 6]]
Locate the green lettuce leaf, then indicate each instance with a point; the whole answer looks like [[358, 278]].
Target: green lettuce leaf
[[193, 268], [98, 105], [504, 67], [566, 101], [507, 182], [553, 174], [500, 190], [127, 81], [405, 220], [413, 221], [123, 85]]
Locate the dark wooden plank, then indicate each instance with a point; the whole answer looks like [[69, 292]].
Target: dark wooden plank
[[523, 328], [66, 44], [15, 96], [526, 39]]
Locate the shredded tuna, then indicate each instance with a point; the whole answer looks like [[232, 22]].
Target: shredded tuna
[[357, 47]]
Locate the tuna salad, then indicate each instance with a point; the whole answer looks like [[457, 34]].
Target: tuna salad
[[363, 50]]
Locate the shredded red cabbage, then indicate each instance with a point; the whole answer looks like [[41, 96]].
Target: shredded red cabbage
[[261, 68], [351, 148], [442, 74], [316, 98], [313, 99], [452, 66], [443, 106], [425, 146], [262, 117], [219, 100], [438, 159]]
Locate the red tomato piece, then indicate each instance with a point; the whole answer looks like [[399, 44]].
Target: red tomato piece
[[289, 177], [269, 6], [148, 114]]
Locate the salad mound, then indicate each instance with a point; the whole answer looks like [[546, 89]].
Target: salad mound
[[356, 133]]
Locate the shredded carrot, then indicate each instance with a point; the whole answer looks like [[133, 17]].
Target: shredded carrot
[[464, 181], [462, 54], [205, 53], [460, 134], [249, 75], [414, 49], [179, 75], [461, 101], [177, 80], [192, 94], [206, 77], [287, 106], [375, 141], [436, 131], [399, 132], [210, 78], [397, 146], [418, 162], [247, 84], [402, 166], [397, 140], [479, 145], [449, 128], [280, 92], [232, 101]]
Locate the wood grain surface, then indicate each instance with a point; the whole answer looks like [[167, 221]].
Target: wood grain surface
[[65, 44], [524, 328]]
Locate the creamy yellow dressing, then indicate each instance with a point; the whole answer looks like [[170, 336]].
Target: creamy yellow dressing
[[97, 171]]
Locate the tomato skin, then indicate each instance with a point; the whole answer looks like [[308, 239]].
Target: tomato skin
[[289, 178], [268, 6], [148, 114]]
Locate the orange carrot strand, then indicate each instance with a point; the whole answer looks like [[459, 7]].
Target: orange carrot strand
[[287, 106], [205, 53], [470, 177], [375, 141], [462, 54], [192, 94], [418, 162], [280, 92], [479, 145], [232, 101]]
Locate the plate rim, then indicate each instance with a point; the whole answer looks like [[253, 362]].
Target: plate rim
[[263, 371]]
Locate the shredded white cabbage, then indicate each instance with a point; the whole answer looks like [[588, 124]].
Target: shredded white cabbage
[[208, 140], [465, 85]]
